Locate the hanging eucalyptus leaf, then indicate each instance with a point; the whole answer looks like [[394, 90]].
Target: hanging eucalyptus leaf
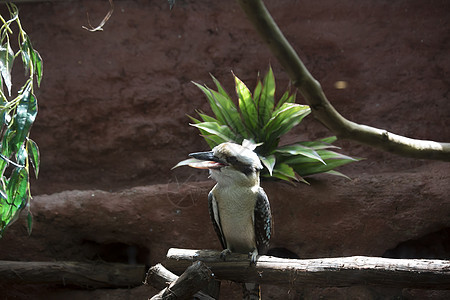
[[35, 157], [17, 115], [6, 63]]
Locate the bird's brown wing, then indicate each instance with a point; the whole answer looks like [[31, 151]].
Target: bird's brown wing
[[262, 221]]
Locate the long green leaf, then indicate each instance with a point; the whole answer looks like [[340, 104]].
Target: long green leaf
[[284, 119], [211, 139], [31, 57], [38, 66], [26, 50], [282, 100], [318, 145], [336, 173], [298, 149], [230, 113], [246, 105], [34, 154], [212, 103], [205, 118], [307, 166], [257, 94], [282, 170], [220, 89], [277, 176], [6, 148], [5, 118], [286, 98], [25, 116], [224, 109], [21, 155], [269, 162], [17, 187], [267, 99], [222, 131], [16, 191], [326, 155], [6, 63], [329, 140], [291, 98]]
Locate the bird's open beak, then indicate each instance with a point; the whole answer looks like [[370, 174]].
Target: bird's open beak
[[209, 161]]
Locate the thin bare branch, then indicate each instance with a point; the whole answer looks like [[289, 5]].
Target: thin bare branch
[[322, 109]]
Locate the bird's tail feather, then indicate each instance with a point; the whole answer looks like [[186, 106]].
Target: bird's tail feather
[[251, 291]]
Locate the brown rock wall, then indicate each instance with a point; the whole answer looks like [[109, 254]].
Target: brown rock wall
[[113, 104], [112, 122]]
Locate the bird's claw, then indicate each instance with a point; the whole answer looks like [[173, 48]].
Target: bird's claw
[[224, 254], [253, 255]]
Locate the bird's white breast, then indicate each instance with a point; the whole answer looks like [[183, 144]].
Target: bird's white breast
[[236, 208]]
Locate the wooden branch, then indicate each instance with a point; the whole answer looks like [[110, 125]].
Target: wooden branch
[[322, 109], [159, 278], [93, 275], [324, 272], [196, 276]]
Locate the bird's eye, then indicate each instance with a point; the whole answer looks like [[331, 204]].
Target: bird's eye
[[232, 160]]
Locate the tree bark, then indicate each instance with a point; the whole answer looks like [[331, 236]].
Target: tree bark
[[159, 278], [324, 272], [196, 276], [92, 275], [322, 109]]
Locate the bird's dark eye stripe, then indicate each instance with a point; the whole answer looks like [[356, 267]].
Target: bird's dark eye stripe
[[232, 159], [247, 170]]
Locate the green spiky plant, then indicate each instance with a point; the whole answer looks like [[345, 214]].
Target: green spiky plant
[[263, 121], [18, 111]]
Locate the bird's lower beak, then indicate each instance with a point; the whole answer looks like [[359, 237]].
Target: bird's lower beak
[[208, 161]]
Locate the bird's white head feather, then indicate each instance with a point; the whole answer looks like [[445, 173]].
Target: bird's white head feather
[[242, 165], [231, 163]]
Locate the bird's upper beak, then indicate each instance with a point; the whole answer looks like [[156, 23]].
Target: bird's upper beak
[[209, 161]]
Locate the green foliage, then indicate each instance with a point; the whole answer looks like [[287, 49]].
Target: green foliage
[[261, 120], [17, 115]]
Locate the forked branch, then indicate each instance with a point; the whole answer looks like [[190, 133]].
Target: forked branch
[[322, 109], [186, 286]]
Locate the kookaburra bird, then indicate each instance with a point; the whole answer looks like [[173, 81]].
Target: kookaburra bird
[[238, 206]]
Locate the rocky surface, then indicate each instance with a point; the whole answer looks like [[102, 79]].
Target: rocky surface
[[333, 217], [112, 122]]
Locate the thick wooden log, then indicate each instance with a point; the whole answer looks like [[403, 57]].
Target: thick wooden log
[[92, 275], [159, 277], [323, 272], [190, 282]]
